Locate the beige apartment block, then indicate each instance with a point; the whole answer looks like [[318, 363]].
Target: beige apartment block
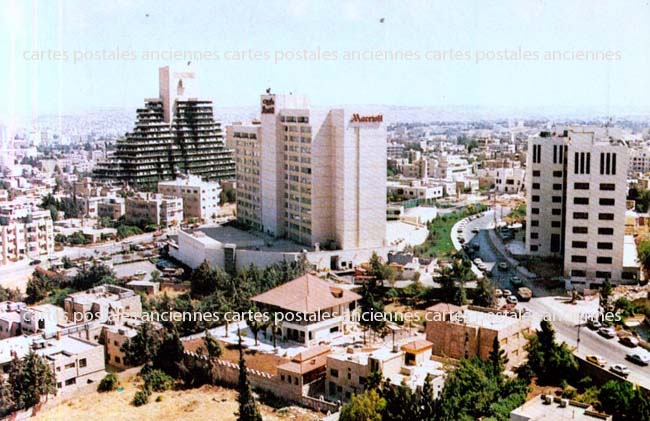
[[200, 198], [102, 303], [466, 332], [576, 190], [156, 209], [312, 176], [25, 231]]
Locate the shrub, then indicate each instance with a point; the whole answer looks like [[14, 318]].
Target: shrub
[[141, 397], [159, 398], [157, 380], [108, 383]]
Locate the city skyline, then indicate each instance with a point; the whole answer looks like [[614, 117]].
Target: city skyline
[[415, 68]]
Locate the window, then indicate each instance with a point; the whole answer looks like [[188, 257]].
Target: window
[[82, 363], [579, 259], [67, 366], [607, 186], [70, 381], [605, 246], [537, 154], [556, 244], [534, 235], [606, 216], [556, 224], [534, 247], [579, 244], [536, 173], [557, 199], [580, 230], [606, 231], [534, 223], [334, 372], [604, 275], [557, 186], [606, 201], [557, 173], [535, 198], [580, 200], [580, 215], [535, 186], [604, 260], [581, 186], [578, 273], [556, 211], [534, 211]]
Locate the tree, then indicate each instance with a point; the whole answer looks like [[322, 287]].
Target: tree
[[108, 383], [7, 402], [31, 378], [90, 277], [616, 398], [170, 356], [38, 287], [367, 406], [143, 347], [643, 249], [212, 346], [484, 293], [549, 361], [605, 293], [248, 410], [498, 358]]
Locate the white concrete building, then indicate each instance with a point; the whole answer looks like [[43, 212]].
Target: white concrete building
[[576, 204], [25, 231], [156, 209], [312, 176], [200, 198]]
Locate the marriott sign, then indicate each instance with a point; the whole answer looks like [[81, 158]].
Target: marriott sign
[[356, 118]]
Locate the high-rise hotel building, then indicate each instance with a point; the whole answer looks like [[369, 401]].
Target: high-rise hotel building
[[312, 176], [576, 193], [174, 133]]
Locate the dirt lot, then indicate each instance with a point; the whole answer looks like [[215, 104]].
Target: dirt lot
[[207, 402], [254, 360]]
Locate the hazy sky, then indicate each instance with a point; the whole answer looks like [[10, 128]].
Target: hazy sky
[[472, 29]]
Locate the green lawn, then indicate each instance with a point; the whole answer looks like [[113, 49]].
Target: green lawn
[[438, 243]]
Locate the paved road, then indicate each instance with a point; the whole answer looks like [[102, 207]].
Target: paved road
[[16, 275], [565, 323]]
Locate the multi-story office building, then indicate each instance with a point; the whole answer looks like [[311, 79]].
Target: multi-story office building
[[175, 132], [312, 176], [200, 198], [576, 189], [25, 231], [154, 208], [639, 161]]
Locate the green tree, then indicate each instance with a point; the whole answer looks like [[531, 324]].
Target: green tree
[[31, 379], [92, 276], [643, 249], [38, 287], [7, 403], [498, 358], [212, 346], [108, 383], [248, 410], [367, 406], [549, 361], [143, 347], [616, 398]]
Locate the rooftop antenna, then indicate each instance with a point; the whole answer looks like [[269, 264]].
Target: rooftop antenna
[[268, 90]]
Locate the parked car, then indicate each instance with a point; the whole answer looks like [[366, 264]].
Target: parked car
[[503, 266], [516, 281], [507, 293], [35, 262], [607, 332], [524, 294], [638, 358], [477, 260], [594, 324], [597, 359], [475, 230], [512, 299], [620, 369], [630, 341], [498, 293]]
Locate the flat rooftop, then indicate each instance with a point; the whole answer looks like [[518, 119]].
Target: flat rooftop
[[250, 239], [630, 256], [536, 409], [489, 320]]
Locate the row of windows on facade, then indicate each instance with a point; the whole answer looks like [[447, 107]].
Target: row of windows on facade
[[603, 201], [582, 160]]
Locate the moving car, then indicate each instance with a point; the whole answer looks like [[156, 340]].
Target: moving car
[[607, 332], [620, 369], [638, 358], [516, 281], [594, 324], [512, 299], [630, 341], [597, 359]]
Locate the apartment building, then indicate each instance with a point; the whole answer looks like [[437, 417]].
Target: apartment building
[[175, 132], [111, 207], [639, 161], [154, 208], [200, 198], [312, 176], [576, 193], [25, 231], [466, 332], [102, 303]]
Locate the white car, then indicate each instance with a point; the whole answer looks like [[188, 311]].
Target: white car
[[607, 332], [507, 293], [620, 369], [477, 261], [511, 299], [638, 358]]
